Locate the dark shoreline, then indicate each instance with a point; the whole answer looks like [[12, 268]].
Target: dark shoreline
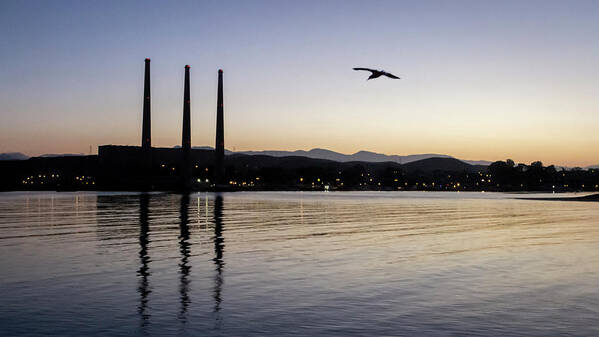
[[592, 197]]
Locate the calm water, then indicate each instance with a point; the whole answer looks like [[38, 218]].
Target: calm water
[[283, 264]]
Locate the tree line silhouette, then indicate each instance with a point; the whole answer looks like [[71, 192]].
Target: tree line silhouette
[[243, 172]]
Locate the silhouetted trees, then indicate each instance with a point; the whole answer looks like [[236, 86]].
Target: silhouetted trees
[[536, 177], [297, 173]]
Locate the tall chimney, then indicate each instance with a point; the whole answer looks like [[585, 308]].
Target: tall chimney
[[219, 148], [146, 134], [186, 134]]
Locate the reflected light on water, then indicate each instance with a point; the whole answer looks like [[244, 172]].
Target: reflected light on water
[[362, 263]]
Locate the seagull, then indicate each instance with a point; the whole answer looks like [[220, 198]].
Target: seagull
[[377, 73]]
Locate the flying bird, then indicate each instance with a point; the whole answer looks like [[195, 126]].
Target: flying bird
[[377, 73]]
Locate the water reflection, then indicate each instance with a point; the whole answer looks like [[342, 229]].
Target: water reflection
[[219, 245], [184, 243], [144, 269], [395, 264], [184, 248]]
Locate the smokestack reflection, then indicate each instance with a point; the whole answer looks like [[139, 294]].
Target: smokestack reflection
[[144, 270], [219, 245], [184, 248]]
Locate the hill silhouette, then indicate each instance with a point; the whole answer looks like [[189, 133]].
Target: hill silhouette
[[441, 164], [123, 168]]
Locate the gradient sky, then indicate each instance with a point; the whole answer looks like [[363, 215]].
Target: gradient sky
[[480, 79]]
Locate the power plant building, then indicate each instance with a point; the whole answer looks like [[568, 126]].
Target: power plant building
[[147, 168]]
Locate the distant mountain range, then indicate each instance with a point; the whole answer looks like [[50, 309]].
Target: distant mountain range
[[13, 156], [362, 156], [22, 156]]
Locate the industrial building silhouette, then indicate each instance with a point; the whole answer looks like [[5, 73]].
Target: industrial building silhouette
[[184, 168], [147, 168], [139, 168]]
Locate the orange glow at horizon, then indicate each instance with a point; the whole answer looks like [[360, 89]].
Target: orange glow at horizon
[[483, 81]]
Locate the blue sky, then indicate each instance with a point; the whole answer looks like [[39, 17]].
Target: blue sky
[[480, 79]]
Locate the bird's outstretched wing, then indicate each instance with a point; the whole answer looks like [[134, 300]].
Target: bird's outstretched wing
[[371, 70], [390, 75]]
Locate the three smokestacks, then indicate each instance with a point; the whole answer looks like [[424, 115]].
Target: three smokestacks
[[219, 149]]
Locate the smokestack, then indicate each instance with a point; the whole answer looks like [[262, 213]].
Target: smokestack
[[146, 135], [219, 148], [186, 134]]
